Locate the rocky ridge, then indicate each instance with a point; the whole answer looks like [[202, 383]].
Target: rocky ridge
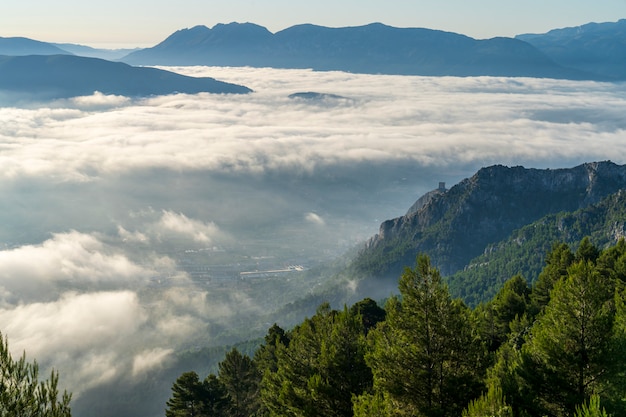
[[456, 226]]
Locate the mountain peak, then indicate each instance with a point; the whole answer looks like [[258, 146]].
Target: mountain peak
[[241, 31], [239, 26]]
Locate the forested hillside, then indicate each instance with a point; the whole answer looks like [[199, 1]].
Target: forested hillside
[[523, 252], [556, 348], [460, 224]]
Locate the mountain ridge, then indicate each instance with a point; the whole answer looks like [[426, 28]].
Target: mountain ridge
[[63, 76], [20, 46], [594, 51], [456, 226], [372, 48], [595, 47]]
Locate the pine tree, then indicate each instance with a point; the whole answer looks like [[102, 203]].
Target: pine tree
[[215, 401], [512, 302], [424, 357], [240, 377], [612, 262], [591, 408], [569, 355], [187, 397], [378, 404], [371, 314], [265, 356], [490, 404], [266, 360], [586, 251], [557, 262], [21, 392], [321, 369]]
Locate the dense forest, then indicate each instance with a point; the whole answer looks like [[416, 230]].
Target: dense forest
[[556, 348]]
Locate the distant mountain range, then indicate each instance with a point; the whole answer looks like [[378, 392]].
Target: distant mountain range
[[374, 48], [596, 51], [17, 46], [459, 227], [23, 46], [61, 76], [87, 51], [595, 47]]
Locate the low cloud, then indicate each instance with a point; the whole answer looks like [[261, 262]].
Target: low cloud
[[315, 219], [67, 260], [181, 225], [148, 360], [82, 332], [98, 101]]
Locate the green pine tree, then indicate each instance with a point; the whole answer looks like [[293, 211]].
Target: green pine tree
[[187, 397], [240, 378], [495, 318], [21, 392], [569, 355], [321, 368], [424, 357], [490, 404], [557, 262], [215, 401], [591, 408]]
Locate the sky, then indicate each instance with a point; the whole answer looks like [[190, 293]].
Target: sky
[[142, 23]]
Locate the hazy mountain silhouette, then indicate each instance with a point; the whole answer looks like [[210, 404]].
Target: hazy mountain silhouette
[[23, 46], [88, 51], [374, 48], [592, 51], [594, 47], [58, 76], [227, 45]]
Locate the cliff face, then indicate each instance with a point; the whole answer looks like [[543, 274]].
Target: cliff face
[[456, 226]]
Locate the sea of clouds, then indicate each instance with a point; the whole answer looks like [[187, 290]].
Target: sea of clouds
[[99, 191]]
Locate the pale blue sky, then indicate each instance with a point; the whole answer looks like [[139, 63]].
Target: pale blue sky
[[147, 22]]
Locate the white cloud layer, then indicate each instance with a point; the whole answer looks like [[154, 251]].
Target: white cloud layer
[[437, 122], [99, 190], [70, 260]]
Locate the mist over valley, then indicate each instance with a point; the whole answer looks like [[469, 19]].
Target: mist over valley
[[131, 224]]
